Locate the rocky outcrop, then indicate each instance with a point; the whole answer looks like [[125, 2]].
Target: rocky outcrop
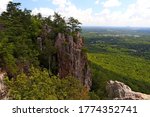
[[3, 91], [72, 60], [120, 91]]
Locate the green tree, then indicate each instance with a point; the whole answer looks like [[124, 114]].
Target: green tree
[[74, 25], [70, 88], [36, 86], [17, 27], [59, 23], [7, 60]]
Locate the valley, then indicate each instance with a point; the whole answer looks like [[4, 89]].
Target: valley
[[121, 54]]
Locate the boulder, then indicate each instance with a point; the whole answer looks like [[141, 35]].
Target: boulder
[[120, 91]]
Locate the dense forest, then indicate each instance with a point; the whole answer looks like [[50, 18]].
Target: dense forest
[[121, 54], [28, 55]]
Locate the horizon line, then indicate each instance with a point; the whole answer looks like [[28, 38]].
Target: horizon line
[[116, 26]]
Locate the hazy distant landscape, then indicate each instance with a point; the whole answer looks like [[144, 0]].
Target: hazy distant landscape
[[121, 54]]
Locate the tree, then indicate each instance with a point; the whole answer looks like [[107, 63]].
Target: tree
[[17, 29], [73, 25], [37, 85], [59, 23], [7, 60]]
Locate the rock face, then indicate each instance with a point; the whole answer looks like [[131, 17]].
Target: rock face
[[3, 91], [120, 91], [72, 60]]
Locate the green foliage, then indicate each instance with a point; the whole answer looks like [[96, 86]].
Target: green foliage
[[70, 88], [19, 42], [26, 41], [36, 86], [7, 59], [59, 23], [122, 58], [17, 47], [123, 68], [84, 50], [93, 96], [39, 86], [73, 25]]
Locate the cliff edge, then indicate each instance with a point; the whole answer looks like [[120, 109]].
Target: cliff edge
[[72, 60]]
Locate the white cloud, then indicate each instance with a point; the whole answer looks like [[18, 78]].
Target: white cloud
[[3, 5], [61, 3], [97, 1], [44, 11], [137, 14], [66, 8], [140, 9], [111, 3]]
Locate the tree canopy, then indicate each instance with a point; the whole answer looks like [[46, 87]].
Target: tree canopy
[[38, 85]]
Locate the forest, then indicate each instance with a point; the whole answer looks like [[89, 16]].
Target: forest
[[121, 54]]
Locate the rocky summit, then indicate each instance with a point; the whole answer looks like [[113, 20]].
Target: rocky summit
[[120, 91], [72, 60]]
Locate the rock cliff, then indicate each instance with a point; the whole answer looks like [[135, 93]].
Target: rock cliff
[[72, 60], [120, 91]]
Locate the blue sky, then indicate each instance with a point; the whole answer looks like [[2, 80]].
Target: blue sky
[[134, 13]]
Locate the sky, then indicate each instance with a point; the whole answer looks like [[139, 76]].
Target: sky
[[133, 13]]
